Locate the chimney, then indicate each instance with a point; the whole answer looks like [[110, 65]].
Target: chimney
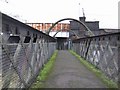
[[82, 19]]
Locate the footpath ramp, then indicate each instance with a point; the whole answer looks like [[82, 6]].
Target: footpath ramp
[[68, 72]]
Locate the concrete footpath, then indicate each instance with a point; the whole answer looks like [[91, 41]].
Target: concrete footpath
[[68, 72]]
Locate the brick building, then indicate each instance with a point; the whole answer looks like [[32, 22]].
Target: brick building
[[45, 26], [92, 25], [80, 30], [75, 27]]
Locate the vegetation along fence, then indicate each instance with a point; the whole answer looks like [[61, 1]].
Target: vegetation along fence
[[103, 51]]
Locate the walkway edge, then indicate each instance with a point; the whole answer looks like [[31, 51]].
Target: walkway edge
[[44, 73], [109, 83]]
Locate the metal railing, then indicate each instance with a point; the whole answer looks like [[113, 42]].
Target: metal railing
[[102, 51], [23, 53]]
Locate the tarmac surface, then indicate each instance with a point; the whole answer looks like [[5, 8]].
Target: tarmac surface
[[68, 72]]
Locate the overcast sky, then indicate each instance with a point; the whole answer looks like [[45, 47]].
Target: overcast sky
[[50, 11]]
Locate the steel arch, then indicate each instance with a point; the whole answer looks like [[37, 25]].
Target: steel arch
[[90, 32]]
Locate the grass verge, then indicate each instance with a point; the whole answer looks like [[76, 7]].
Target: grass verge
[[109, 83], [45, 72]]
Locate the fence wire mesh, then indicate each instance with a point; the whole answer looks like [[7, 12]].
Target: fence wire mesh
[[21, 63], [23, 53], [103, 52]]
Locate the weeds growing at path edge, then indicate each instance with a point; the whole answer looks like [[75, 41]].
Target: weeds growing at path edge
[[45, 72], [109, 83]]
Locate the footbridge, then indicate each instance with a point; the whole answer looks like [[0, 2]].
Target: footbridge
[[24, 51]]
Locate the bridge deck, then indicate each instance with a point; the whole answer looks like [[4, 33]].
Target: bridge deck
[[68, 72]]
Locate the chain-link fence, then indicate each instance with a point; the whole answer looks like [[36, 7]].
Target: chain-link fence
[[22, 53], [103, 52]]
